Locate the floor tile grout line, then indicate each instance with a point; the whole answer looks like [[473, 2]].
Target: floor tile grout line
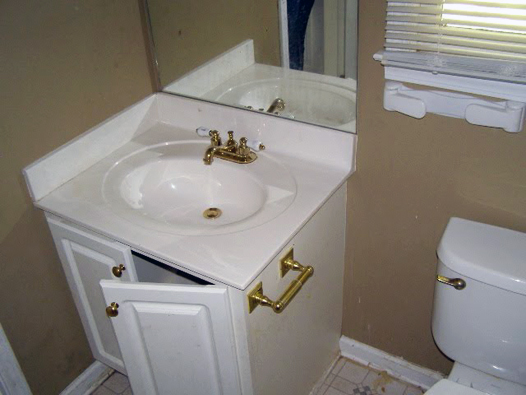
[[112, 391], [343, 378], [340, 367]]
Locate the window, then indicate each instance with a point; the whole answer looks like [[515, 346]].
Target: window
[[456, 43]]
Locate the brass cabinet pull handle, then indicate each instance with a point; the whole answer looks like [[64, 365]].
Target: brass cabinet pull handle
[[256, 296], [117, 270], [112, 310], [457, 283]]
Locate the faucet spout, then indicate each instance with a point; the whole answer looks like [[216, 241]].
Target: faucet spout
[[209, 155], [276, 106]]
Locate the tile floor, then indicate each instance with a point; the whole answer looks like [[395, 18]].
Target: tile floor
[[117, 383], [346, 378], [350, 378]]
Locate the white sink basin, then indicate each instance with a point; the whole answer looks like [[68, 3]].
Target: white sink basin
[[168, 188], [305, 100]]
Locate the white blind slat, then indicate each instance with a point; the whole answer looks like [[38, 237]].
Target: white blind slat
[[415, 18], [503, 4], [453, 31], [518, 17], [433, 10], [458, 41], [426, 2], [450, 49]]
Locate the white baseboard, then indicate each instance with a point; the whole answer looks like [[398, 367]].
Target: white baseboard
[[395, 366], [90, 379]]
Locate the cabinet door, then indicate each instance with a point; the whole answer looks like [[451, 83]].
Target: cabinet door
[[88, 258], [175, 339]]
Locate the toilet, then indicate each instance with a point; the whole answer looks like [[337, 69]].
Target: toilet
[[479, 310]]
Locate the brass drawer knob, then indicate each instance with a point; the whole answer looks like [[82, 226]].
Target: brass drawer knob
[[117, 270], [112, 310]]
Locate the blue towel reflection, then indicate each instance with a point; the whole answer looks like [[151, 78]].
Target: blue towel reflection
[[298, 12]]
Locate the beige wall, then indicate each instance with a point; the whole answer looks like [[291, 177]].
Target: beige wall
[[412, 176], [65, 66], [189, 33]]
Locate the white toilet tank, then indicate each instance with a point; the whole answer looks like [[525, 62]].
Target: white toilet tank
[[483, 326]]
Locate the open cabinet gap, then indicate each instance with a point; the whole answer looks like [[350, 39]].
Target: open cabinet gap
[[152, 271]]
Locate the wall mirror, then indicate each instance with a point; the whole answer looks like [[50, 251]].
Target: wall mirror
[[294, 59]]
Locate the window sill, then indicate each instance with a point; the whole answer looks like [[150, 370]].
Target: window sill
[[509, 114], [473, 85]]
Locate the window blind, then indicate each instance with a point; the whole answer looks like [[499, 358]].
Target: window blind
[[475, 38]]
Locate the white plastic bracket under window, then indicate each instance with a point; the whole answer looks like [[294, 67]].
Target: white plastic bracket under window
[[508, 115]]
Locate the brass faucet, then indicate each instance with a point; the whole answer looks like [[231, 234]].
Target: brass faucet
[[230, 151]]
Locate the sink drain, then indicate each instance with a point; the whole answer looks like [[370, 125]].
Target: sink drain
[[212, 213]]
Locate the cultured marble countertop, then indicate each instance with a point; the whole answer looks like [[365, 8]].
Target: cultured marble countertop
[[320, 160]]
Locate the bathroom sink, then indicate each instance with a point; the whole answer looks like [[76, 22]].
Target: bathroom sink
[[168, 188], [305, 100], [139, 179]]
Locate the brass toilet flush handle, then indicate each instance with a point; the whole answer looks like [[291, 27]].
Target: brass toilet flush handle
[[457, 283]]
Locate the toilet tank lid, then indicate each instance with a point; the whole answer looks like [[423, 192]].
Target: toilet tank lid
[[486, 253]]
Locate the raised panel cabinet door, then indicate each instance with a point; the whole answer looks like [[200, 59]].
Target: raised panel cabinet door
[[88, 258], [175, 339]]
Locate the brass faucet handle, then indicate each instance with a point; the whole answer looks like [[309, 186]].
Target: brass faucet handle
[[243, 149], [215, 138], [231, 143]]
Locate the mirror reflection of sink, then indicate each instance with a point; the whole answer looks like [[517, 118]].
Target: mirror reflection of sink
[[167, 187], [310, 101]]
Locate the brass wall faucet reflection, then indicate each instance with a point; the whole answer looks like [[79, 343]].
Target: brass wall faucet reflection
[[231, 151], [277, 106]]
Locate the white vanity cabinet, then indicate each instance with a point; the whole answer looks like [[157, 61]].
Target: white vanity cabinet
[[165, 300], [173, 333]]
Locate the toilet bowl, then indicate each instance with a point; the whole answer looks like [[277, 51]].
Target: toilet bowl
[[479, 309]]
